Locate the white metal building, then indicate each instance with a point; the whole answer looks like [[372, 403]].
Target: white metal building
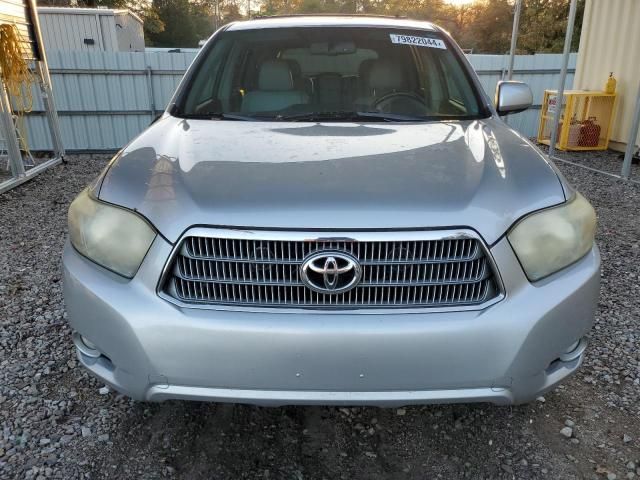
[[610, 42], [91, 29]]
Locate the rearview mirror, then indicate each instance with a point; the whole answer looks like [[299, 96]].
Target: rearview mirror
[[512, 97], [335, 48]]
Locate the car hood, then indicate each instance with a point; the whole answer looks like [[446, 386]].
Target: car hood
[[281, 175]]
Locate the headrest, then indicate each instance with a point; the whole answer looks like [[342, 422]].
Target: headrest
[[275, 76], [365, 67], [385, 74]]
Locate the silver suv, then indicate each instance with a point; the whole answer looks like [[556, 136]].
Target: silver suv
[[330, 211]]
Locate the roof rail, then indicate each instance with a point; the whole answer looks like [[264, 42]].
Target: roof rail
[[287, 15]]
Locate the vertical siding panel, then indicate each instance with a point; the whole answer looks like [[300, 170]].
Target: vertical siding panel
[[610, 42], [66, 28], [47, 31], [108, 26]]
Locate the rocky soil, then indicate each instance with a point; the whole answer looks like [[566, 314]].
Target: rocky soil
[[58, 422]]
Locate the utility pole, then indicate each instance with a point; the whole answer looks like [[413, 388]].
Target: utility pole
[[514, 38], [563, 76], [631, 141], [216, 16], [249, 9]]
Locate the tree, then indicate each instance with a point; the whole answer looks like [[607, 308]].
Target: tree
[[544, 24], [484, 25], [229, 12], [487, 26], [185, 23]]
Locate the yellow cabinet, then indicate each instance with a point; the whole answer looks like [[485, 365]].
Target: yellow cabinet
[[585, 120]]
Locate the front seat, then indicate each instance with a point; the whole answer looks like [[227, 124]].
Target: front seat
[[380, 78], [275, 89]]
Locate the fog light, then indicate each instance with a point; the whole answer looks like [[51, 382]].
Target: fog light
[[574, 350], [571, 348], [92, 345], [85, 346]]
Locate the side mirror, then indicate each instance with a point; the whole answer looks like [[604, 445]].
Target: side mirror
[[512, 97]]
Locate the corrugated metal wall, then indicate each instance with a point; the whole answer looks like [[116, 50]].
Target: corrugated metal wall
[[610, 42], [108, 32], [541, 72], [104, 99], [130, 33], [67, 31]]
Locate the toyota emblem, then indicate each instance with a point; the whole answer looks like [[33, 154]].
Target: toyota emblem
[[330, 272]]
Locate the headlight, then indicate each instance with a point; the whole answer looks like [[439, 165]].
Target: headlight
[[552, 239], [113, 237]]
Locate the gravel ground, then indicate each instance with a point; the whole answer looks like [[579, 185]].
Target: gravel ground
[[57, 422]]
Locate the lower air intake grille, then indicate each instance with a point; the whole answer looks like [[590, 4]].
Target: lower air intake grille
[[449, 271]]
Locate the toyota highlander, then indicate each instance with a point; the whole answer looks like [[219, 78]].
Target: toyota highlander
[[332, 211]]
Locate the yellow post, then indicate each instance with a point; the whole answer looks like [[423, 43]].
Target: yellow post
[[564, 133], [543, 116]]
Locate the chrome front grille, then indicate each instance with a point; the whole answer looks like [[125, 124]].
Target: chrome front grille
[[260, 269]]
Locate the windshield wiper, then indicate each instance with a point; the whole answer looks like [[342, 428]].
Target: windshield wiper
[[349, 116], [221, 116]]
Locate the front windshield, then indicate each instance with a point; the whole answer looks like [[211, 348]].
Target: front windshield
[[330, 73]]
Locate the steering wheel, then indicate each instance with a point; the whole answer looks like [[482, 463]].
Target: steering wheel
[[412, 103]]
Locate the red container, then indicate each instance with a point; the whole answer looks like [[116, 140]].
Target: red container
[[589, 133]]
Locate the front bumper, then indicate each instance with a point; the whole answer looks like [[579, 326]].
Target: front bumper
[[507, 353]]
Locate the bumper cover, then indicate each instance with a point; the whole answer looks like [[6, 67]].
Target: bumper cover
[[507, 353]]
